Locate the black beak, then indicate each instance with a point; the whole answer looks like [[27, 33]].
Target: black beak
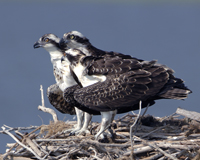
[[62, 44], [37, 45]]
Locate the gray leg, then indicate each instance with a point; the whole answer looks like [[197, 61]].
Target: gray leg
[[87, 119], [107, 118], [79, 114]]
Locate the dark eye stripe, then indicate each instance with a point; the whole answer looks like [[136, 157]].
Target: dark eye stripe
[[78, 39], [81, 40]]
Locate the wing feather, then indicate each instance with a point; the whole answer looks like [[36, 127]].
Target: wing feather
[[114, 93], [55, 96]]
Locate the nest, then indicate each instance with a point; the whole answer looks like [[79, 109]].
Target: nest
[[153, 138]]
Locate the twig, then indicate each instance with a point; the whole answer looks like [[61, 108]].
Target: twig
[[139, 150], [13, 155], [139, 120], [157, 148], [21, 144], [156, 156], [131, 128], [153, 131], [34, 147], [18, 128], [42, 95], [189, 114], [48, 110]]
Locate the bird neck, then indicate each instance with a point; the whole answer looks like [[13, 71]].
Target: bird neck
[[55, 54], [95, 51]]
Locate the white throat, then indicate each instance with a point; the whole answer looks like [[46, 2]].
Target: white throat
[[55, 54]]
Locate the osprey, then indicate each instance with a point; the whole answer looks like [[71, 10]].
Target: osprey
[[50, 42], [115, 84], [75, 39]]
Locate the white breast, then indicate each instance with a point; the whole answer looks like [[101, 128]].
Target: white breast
[[85, 79]]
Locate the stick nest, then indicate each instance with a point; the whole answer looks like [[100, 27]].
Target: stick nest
[[154, 138]]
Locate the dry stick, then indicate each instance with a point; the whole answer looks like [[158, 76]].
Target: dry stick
[[29, 149], [42, 95], [11, 154], [141, 118], [131, 128], [156, 156], [26, 135], [44, 109], [34, 141], [34, 147], [154, 131], [18, 128], [189, 114], [157, 148], [95, 152], [139, 150]]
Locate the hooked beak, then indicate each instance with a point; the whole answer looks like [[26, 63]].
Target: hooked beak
[[37, 45], [63, 44]]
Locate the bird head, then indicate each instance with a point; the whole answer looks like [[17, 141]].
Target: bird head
[[49, 42], [73, 39]]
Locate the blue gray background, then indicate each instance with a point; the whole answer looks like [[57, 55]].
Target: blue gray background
[[168, 31]]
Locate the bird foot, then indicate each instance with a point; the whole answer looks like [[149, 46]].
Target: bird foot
[[68, 130], [83, 132], [72, 131], [99, 136]]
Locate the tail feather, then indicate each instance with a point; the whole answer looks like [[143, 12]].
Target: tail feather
[[176, 93]]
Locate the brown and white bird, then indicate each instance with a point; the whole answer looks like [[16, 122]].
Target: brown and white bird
[[116, 83], [50, 42], [75, 39]]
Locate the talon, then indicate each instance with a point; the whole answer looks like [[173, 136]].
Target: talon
[[71, 134]]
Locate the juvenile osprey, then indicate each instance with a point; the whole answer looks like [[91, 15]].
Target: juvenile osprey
[[75, 39], [63, 78], [115, 84]]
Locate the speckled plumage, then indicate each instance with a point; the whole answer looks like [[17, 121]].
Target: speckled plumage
[[127, 82], [50, 42], [55, 96], [116, 82]]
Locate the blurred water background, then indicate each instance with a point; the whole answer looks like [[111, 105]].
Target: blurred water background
[[168, 31]]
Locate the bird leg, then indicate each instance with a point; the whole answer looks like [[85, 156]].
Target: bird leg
[[84, 129], [107, 118], [79, 114]]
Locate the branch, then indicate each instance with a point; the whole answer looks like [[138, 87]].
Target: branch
[[131, 128], [189, 114], [47, 110], [154, 145], [21, 144]]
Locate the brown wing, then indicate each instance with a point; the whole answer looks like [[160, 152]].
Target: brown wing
[[116, 92], [109, 65], [55, 96]]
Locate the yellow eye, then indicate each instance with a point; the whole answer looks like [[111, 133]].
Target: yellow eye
[[46, 40], [72, 37]]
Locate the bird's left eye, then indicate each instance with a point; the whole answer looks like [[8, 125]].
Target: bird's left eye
[[72, 37], [46, 40]]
